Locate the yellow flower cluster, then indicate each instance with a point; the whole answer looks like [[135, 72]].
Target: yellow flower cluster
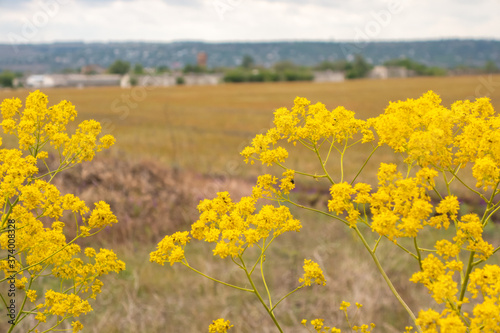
[[101, 216], [343, 201], [233, 226], [62, 304], [219, 326], [307, 124], [422, 128], [36, 125], [15, 170], [49, 245], [470, 230], [312, 274], [486, 280], [42, 248], [319, 326], [479, 139], [400, 207], [438, 277], [431, 134], [432, 321], [436, 142], [171, 248]]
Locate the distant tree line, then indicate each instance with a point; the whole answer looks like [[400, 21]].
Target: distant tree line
[[281, 71], [357, 68], [249, 71], [7, 78], [418, 68]]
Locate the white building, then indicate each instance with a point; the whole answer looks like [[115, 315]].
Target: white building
[[72, 80], [328, 76], [202, 79], [385, 72]]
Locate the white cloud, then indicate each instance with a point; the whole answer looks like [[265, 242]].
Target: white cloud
[[239, 20]]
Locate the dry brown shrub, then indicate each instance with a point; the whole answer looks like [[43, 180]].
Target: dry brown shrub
[[149, 199]]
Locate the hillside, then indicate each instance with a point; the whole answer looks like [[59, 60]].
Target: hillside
[[39, 58]]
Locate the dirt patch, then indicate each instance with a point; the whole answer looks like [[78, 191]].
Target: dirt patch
[[149, 199]]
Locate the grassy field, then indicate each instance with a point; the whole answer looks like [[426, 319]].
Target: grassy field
[[204, 128], [178, 145]]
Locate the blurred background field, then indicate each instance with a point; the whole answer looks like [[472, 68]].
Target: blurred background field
[[203, 128], [178, 145]]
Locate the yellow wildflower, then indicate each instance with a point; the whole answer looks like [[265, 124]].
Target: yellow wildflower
[[77, 326], [171, 248], [312, 274], [317, 323], [31, 294], [219, 326], [101, 216], [344, 305]]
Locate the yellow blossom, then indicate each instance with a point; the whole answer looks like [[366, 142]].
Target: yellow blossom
[[41, 317], [344, 305], [171, 248], [77, 326], [219, 326], [486, 172], [37, 207], [312, 274], [101, 216], [31, 294]]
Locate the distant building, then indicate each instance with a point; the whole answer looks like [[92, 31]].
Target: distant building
[[386, 72], [328, 76], [163, 80], [72, 80], [36, 81], [168, 79], [92, 69], [202, 79], [202, 59]]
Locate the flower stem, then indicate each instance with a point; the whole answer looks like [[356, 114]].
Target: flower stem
[[215, 280], [256, 292], [387, 280]]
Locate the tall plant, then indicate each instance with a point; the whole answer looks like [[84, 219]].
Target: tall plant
[[439, 145], [37, 247]]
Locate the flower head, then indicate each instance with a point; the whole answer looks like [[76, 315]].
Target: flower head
[[312, 274]]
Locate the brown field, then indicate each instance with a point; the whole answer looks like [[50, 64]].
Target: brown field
[[204, 128], [178, 145]]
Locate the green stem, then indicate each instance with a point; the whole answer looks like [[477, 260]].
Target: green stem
[[263, 250], [262, 258], [282, 298], [323, 166], [468, 187], [256, 292], [376, 244], [319, 211], [215, 280], [419, 256], [301, 173], [364, 164], [342, 161], [329, 151], [465, 281], [6, 215], [387, 280]]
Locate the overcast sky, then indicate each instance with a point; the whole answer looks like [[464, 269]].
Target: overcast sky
[[28, 21]]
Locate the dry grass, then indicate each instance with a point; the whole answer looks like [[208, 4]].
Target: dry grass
[[204, 128], [179, 145]]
